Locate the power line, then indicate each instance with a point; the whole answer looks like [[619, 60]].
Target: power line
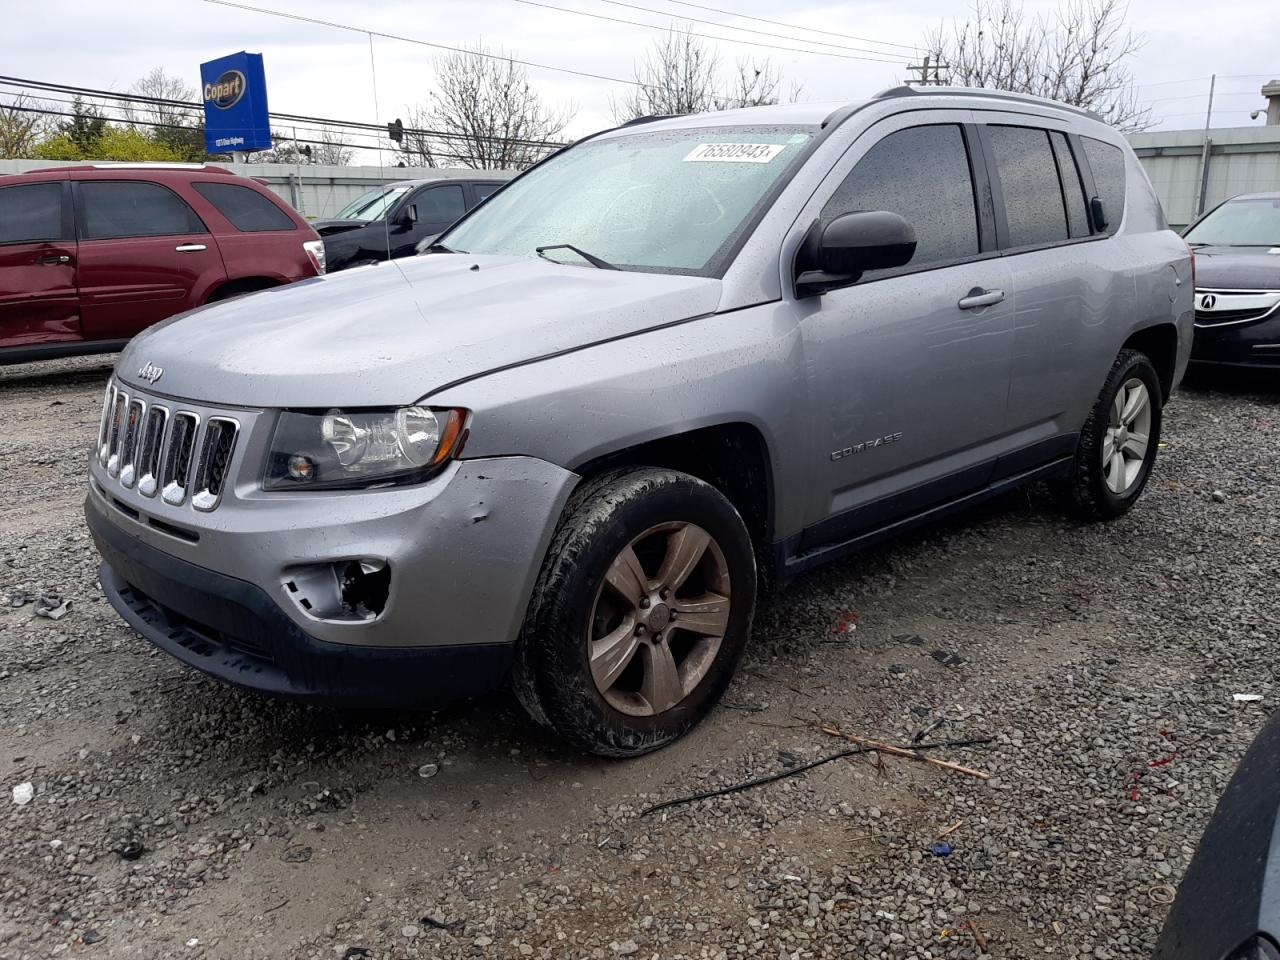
[[705, 36], [315, 21], [178, 126], [198, 108], [715, 23], [793, 26]]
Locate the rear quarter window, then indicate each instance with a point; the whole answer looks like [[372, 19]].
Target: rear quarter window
[[1107, 163], [247, 209]]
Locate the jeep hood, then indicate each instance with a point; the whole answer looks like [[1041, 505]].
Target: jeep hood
[[391, 333], [1237, 268]]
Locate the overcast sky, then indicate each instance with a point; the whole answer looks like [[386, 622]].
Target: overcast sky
[[323, 71]]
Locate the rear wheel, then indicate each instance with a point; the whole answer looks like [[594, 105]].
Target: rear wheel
[[640, 613], [1118, 443]]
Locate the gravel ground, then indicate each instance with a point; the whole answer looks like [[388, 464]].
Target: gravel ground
[[1089, 654]]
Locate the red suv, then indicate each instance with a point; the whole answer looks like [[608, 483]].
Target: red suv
[[91, 255]]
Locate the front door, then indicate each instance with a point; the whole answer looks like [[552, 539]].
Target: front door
[[437, 207], [910, 367], [144, 256], [38, 299]]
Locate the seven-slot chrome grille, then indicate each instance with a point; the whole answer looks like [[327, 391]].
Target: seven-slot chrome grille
[[160, 448]]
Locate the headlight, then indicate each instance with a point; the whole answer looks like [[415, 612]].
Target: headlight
[[361, 448]]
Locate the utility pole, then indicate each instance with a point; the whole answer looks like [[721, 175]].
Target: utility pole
[[1205, 150], [924, 68]]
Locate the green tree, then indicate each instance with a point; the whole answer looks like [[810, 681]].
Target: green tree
[[115, 143], [86, 126]]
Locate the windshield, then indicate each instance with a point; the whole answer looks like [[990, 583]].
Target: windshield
[[671, 202], [1240, 223], [372, 205]]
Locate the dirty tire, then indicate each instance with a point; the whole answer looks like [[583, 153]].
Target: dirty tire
[[552, 672], [1084, 492]]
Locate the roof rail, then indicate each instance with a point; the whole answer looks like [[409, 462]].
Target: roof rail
[[130, 165], [905, 91], [650, 119]]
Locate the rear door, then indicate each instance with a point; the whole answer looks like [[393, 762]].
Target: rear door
[[482, 190], [144, 256], [1066, 288], [38, 299]]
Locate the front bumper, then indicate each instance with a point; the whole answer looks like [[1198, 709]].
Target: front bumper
[[464, 550], [233, 631], [1247, 345]]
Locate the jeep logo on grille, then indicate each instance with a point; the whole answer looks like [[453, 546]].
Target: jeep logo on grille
[[151, 373], [225, 92]]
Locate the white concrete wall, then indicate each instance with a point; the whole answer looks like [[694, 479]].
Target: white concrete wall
[[321, 191]]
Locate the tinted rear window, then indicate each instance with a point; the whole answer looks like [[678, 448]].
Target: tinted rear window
[[1029, 182], [247, 209], [1107, 164], [31, 212], [133, 208]]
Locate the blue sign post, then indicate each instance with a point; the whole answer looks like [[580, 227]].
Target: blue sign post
[[235, 104]]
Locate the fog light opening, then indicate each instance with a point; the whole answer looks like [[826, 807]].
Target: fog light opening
[[364, 586]]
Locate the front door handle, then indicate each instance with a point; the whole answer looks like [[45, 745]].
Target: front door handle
[[980, 298], [54, 258], [190, 247]]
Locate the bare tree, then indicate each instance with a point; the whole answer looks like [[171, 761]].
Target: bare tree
[[1075, 55], [327, 147], [491, 117], [677, 77], [20, 130], [681, 74], [179, 125]]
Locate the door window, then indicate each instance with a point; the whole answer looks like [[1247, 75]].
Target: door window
[[440, 204], [1029, 181], [31, 212], [132, 208], [248, 210], [483, 190], [1072, 189], [923, 175], [1107, 164]]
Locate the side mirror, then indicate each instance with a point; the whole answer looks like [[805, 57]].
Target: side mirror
[[409, 216], [839, 253]]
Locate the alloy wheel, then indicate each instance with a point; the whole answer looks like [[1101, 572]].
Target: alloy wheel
[[659, 618], [1124, 446]]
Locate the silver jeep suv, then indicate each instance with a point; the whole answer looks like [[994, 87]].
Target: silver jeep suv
[[674, 362]]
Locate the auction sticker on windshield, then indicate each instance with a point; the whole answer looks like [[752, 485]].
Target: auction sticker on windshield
[[734, 152]]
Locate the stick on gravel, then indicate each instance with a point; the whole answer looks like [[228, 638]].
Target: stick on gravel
[[910, 753], [794, 771]]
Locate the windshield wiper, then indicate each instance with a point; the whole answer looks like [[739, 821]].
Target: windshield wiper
[[589, 257], [441, 248]]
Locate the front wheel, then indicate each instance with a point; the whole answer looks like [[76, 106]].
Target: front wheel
[[640, 612], [1118, 443]]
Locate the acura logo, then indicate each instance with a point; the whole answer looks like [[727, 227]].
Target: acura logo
[[151, 373], [1208, 301]]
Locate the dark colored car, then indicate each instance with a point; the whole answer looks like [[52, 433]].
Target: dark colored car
[[1228, 906], [390, 221], [92, 255], [1237, 246]]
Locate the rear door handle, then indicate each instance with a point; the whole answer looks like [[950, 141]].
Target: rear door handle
[[980, 298], [54, 258], [190, 247]]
